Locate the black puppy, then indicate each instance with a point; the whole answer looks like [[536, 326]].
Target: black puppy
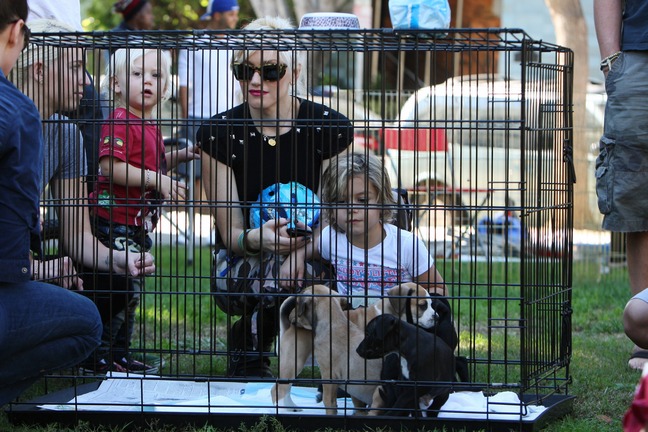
[[445, 329], [427, 364]]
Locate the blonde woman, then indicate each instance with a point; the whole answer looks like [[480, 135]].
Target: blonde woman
[[275, 136]]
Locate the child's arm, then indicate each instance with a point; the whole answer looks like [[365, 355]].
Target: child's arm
[[124, 174], [293, 268], [432, 281], [78, 240], [176, 156]]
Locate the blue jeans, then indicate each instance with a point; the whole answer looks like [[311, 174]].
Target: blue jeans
[[43, 328]]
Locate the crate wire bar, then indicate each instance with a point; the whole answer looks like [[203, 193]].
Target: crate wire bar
[[475, 124]]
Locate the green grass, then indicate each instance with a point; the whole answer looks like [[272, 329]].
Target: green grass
[[601, 381]]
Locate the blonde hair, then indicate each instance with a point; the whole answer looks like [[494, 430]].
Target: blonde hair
[[40, 53], [289, 56], [119, 66], [340, 172]]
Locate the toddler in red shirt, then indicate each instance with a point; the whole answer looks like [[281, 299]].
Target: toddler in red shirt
[[132, 183]]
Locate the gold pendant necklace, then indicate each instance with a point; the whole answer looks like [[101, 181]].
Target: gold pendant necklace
[[271, 140]]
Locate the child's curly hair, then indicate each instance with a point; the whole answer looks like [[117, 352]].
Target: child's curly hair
[[340, 172]]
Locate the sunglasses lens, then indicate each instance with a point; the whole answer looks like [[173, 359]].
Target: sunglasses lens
[[270, 72], [242, 72], [273, 72]]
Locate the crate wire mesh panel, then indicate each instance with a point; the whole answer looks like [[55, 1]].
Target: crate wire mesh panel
[[485, 161]]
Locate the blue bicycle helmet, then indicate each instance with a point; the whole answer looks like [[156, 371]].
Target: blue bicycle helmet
[[292, 201]]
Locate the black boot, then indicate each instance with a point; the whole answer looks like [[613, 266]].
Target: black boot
[[250, 344]]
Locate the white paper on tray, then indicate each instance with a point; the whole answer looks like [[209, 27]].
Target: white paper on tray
[[121, 392]]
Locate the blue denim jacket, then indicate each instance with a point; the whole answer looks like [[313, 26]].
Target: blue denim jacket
[[21, 166]]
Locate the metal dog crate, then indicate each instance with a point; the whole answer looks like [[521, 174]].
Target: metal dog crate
[[475, 124]]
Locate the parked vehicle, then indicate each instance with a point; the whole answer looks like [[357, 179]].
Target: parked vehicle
[[456, 146], [470, 147]]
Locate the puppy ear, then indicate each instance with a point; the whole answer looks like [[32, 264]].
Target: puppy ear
[[304, 313], [396, 299], [393, 322], [381, 326], [344, 303], [301, 305], [441, 305]]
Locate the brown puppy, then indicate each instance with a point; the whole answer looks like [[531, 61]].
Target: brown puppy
[[335, 338], [409, 301]]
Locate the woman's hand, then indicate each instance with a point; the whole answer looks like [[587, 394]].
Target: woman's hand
[[188, 153], [135, 264], [171, 189], [60, 271], [185, 154], [276, 238]]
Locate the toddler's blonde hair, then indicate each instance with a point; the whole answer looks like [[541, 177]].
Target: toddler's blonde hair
[[119, 67]]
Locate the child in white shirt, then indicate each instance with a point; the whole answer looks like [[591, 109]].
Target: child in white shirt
[[370, 255]]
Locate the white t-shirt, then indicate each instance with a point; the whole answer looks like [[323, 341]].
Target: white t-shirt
[[210, 84], [366, 274], [66, 11]]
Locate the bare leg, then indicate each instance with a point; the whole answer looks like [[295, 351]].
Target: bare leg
[[637, 256], [637, 250]]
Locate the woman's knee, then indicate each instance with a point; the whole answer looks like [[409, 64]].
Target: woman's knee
[[235, 304]]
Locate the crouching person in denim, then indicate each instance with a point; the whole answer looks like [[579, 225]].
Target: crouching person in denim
[[43, 327]]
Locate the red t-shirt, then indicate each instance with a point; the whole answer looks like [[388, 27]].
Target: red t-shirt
[[138, 142]]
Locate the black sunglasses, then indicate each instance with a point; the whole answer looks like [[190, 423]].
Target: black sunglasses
[[269, 72], [26, 32]]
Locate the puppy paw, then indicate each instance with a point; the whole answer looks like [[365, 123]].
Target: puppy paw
[[287, 405], [290, 409]]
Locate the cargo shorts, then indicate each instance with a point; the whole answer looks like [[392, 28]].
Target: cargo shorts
[[622, 164]]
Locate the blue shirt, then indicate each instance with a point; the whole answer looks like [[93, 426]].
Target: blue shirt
[[21, 165], [635, 26]]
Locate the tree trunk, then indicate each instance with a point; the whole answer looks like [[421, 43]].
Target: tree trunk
[[571, 32]]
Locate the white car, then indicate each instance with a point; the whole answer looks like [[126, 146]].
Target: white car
[[474, 147]]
